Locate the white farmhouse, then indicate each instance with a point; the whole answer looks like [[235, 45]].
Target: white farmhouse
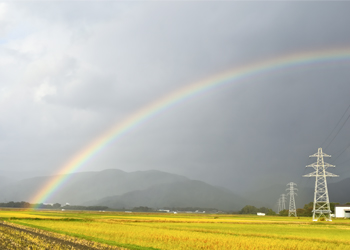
[[260, 214], [342, 211]]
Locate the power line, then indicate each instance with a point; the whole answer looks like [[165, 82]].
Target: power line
[[339, 164], [338, 132], [301, 179], [335, 126], [341, 153], [344, 167]]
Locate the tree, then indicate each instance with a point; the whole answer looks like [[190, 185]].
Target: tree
[[300, 212], [283, 212], [332, 205], [248, 209], [56, 205], [263, 210], [270, 212], [142, 209], [308, 209]]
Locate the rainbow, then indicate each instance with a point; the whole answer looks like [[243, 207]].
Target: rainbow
[[149, 111]]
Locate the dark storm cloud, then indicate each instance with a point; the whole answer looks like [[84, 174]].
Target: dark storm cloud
[[75, 69]]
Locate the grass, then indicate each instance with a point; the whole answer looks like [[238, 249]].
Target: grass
[[189, 231]]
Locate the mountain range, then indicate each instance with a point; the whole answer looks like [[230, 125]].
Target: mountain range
[[156, 189], [118, 189], [187, 193]]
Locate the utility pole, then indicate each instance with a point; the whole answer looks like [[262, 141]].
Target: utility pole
[[321, 206], [292, 207], [283, 202]]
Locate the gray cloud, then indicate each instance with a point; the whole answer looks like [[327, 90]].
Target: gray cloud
[[69, 71]]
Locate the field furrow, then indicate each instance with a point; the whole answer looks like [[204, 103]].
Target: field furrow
[[19, 237]]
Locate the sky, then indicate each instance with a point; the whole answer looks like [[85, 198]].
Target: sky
[[70, 70]]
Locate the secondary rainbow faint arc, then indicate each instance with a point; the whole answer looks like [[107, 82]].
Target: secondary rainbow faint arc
[[179, 95]]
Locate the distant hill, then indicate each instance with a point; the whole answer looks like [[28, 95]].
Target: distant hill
[[187, 193], [86, 186], [5, 181], [118, 189]]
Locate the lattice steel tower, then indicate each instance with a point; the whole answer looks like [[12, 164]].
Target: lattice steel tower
[[292, 208], [283, 202], [321, 206], [279, 205]]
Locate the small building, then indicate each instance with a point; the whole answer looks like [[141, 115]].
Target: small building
[[164, 210], [342, 211], [260, 214]]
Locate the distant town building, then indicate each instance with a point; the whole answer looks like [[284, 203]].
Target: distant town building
[[342, 211], [164, 210], [260, 214]]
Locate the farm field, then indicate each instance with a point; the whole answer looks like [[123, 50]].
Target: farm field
[[20, 237], [112, 230]]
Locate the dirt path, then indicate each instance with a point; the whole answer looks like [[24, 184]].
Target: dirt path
[[18, 237]]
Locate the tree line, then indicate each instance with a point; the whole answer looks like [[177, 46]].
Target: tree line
[[24, 204], [306, 211], [254, 210]]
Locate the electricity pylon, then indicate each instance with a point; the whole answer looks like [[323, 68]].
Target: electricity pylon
[[283, 202], [279, 205], [321, 206], [292, 207]]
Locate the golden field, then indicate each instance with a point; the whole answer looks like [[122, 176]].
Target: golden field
[[186, 231]]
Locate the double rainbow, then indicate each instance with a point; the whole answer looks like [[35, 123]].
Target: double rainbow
[[147, 112]]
